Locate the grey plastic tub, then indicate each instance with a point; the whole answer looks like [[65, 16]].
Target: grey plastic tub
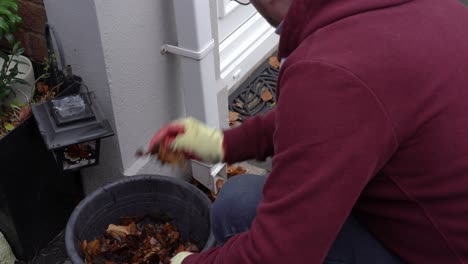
[[137, 196]]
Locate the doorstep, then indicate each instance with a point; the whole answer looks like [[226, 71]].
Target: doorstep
[[246, 100], [252, 167], [249, 100]]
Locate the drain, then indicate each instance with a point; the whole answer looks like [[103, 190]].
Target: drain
[[247, 99]]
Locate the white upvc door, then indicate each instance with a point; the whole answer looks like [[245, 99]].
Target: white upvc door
[[245, 39], [231, 16]]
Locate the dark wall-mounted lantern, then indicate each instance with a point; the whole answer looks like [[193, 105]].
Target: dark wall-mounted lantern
[[72, 127]]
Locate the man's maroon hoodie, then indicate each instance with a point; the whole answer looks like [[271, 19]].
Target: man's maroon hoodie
[[372, 117]]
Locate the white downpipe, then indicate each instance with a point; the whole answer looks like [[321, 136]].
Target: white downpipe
[[198, 74]]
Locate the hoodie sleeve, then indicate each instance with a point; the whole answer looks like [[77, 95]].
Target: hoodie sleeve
[[332, 135], [251, 140]]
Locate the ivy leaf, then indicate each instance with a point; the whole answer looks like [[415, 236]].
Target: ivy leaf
[[10, 38], [16, 47], [6, 12], [10, 4], [4, 25], [9, 127]]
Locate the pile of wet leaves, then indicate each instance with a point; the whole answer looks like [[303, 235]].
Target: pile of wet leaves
[[137, 241]]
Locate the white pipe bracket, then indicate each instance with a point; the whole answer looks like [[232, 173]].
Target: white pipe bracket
[[196, 55]]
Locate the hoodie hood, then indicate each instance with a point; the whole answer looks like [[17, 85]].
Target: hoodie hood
[[304, 17]]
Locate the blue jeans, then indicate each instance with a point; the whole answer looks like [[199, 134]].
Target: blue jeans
[[236, 207]]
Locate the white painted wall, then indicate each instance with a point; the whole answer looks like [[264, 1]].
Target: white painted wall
[[142, 82], [114, 47]]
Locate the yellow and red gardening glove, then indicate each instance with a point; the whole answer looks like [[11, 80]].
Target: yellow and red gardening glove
[[191, 137]]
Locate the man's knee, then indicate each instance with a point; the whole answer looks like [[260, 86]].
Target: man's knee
[[236, 205], [242, 192]]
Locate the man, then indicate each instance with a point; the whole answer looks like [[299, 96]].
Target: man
[[369, 140]]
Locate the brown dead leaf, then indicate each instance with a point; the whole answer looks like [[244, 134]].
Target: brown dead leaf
[[219, 184], [93, 248], [239, 104], [133, 228], [212, 196], [137, 243], [274, 62], [24, 113], [160, 238], [149, 255], [202, 188], [266, 95], [234, 124], [120, 232], [87, 250], [84, 245], [42, 87], [171, 157], [235, 170], [233, 116], [173, 236]]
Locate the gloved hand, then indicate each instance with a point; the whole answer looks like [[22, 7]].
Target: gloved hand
[[177, 259], [193, 138]]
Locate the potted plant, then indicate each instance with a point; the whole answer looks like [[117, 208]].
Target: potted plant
[[16, 71], [36, 196], [18, 86]]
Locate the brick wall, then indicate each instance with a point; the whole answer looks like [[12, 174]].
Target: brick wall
[[32, 29]]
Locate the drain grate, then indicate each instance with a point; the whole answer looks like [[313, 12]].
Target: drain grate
[[247, 99]]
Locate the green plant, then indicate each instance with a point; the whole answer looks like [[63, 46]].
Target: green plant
[[13, 113], [8, 76], [44, 75], [9, 20]]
